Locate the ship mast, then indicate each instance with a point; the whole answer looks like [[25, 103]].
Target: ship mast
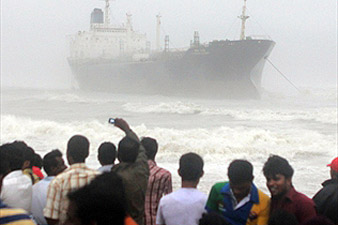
[[158, 32], [106, 13], [243, 17]]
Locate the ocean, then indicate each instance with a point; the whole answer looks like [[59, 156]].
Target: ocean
[[300, 127]]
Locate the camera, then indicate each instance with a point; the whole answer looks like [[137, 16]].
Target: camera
[[111, 120]]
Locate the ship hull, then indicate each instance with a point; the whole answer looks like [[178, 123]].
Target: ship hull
[[223, 69]]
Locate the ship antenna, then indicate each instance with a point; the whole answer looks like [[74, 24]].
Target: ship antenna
[[243, 17], [106, 13], [158, 32]]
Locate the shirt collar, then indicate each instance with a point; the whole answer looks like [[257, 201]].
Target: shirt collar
[[2, 205], [330, 181], [48, 178], [291, 194], [77, 166], [253, 195], [151, 163], [15, 173]]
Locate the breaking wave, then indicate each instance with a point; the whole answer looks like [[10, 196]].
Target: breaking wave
[[222, 141], [323, 115]]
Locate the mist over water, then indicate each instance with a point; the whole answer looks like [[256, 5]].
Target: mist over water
[[301, 128]]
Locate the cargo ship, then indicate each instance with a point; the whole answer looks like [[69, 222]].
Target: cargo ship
[[116, 58]]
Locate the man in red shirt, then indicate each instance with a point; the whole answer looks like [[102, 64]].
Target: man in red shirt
[[284, 197], [159, 182]]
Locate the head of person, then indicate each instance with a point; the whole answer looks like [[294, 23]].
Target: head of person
[[100, 202], [212, 218], [106, 153], [240, 173], [37, 161], [191, 167], [282, 217], [53, 163], [334, 168], [77, 149], [151, 146], [28, 156], [4, 165], [278, 174], [15, 154], [128, 150]]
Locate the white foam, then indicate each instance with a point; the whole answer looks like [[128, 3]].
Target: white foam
[[323, 115], [237, 141], [171, 107]]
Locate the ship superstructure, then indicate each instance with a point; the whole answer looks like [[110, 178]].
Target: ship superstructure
[[108, 41]]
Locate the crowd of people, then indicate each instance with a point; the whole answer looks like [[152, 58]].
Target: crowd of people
[[137, 191]]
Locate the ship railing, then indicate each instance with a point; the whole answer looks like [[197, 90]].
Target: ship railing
[[258, 37]]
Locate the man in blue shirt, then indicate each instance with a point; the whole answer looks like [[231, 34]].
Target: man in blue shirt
[[239, 200]]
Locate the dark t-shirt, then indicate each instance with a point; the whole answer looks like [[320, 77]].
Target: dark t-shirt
[[326, 200]]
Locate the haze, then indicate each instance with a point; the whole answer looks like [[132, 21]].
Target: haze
[[34, 44]]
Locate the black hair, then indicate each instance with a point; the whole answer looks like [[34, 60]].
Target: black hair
[[212, 218], [37, 161], [78, 148], [14, 152], [151, 146], [107, 153], [277, 165], [334, 174], [4, 163], [102, 201], [282, 217], [191, 167], [28, 155], [240, 171], [128, 150], [49, 160]]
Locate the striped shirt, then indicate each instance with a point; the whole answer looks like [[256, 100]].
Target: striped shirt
[[76, 176], [159, 184], [12, 216]]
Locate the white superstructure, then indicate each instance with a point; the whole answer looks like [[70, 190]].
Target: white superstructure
[[107, 41]]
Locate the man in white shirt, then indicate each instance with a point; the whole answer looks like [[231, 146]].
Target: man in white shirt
[[16, 189], [106, 156], [186, 205], [53, 164]]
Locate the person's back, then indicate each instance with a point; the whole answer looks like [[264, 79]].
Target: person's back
[[186, 205], [134, 171], [159, 183], [101, 202], [76, 176], [326, 199], [106, 156], [8, 215], [16, 188]]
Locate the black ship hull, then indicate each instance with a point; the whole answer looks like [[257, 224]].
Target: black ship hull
[[223, 69]]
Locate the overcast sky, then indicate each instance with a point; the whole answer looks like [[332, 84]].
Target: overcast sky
[[34, 44]]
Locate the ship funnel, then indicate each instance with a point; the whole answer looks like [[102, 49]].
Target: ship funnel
[[96, 16]]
